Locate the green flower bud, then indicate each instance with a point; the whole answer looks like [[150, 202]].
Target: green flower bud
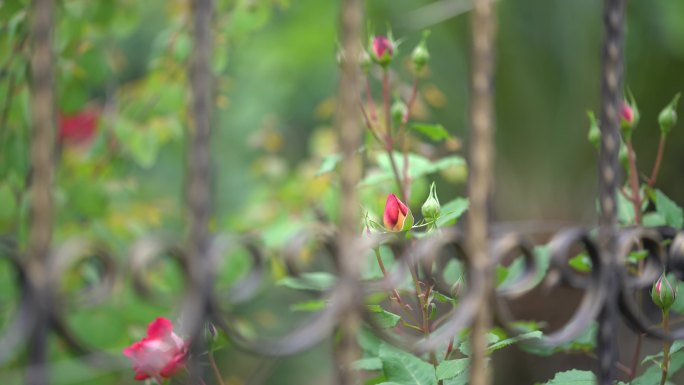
[[623, 155], [420, 55], [668, 116], [663, 293], [365, 61], [398, 112], [594, 135], [431, 207]]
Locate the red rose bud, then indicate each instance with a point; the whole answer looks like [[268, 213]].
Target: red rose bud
[[663, 294], [395, 214], [79, 128], [382, 50], [629, 116], [668, 116]]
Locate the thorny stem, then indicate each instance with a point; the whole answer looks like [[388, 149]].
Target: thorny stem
[[371, 103], [369, 124], [217, 372], [395, 293], [659, 158], [634, 182], [666, 347]]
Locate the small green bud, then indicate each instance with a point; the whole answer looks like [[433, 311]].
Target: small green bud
[[668, 116], [623, 155], [398, 112], [420, 55], [594, 135], [663, 293], [365, 61], [431, 207]]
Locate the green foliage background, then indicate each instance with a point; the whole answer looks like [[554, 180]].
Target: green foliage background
[[275, 88]]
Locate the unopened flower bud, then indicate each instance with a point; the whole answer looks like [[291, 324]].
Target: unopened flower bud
[[431, 207], [623, 155], [663, 293], [398, 112], [420, 55], [397, 216], [365, 61], [382, 50], [594, 135], [668, 116], [629, 116]]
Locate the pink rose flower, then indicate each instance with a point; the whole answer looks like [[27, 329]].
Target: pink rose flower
[[395, 213], [160, 354], [382, 50]]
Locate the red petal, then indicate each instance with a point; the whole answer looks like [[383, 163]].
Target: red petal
[[159, 328], [141, 376], [173, 366]]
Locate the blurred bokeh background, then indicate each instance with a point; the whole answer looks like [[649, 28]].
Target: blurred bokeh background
[[122, 99]]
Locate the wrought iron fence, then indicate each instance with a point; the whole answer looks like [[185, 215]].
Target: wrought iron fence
[[607, 289]]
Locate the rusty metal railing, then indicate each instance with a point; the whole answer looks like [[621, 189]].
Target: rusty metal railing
[[607, 289]]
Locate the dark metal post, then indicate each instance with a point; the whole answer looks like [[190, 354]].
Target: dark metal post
[[611, 98], [198, 179], [350, 132], [42, 155], [479, 184]]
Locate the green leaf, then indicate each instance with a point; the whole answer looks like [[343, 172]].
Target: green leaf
[[510, 341], [8, 206], [404, 368], [452, 368], [329, 163], [653, 220], [492, 338], [625, 210], [653, 373], [452, 211], [573, 377], [581, 262], [384, 318], [435, 132], [418, 166], [669, 210], [372, 363], [318, 281], [313, 305]]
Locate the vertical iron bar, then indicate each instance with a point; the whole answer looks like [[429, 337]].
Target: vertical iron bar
[[349, 131], [198, 179], [480, 182], [42, 155], [611, 98]]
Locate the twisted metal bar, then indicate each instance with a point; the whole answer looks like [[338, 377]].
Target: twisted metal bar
[[611, 98], [42, 155], [479, 184], [349, 134], [198, 184]]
